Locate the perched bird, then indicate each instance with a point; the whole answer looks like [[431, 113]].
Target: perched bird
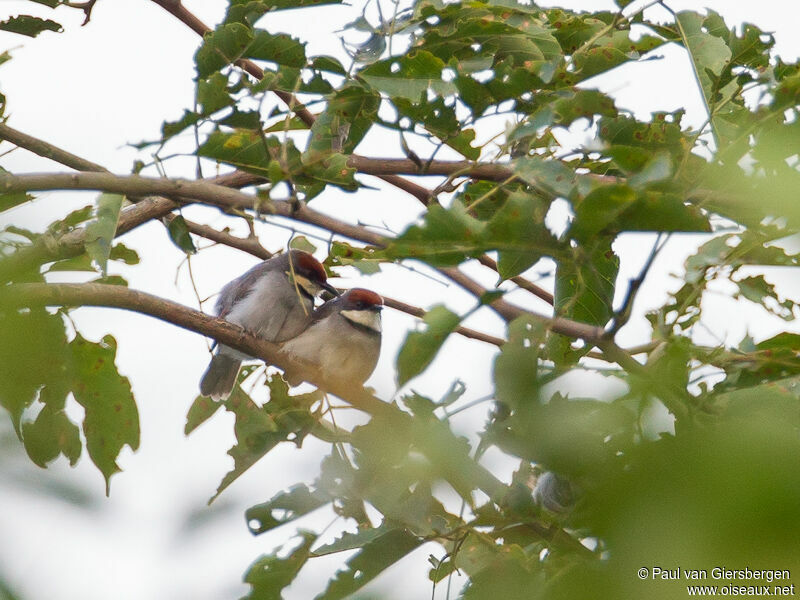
[[273, 300], [343, 339], [555, 493]]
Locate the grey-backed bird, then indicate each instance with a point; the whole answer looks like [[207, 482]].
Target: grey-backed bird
[[273, 300], [343, 340]]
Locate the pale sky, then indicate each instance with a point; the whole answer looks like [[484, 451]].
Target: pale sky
[[94, 89]]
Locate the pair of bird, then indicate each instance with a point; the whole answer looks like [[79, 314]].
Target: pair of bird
[[275, 301]]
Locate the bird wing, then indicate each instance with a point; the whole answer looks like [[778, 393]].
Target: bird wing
[[236, 290]]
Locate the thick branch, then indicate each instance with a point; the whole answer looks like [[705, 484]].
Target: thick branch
[[229, 198], [94, 294], [114, 296]]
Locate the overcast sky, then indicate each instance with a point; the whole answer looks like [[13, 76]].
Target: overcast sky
[[94, 89]]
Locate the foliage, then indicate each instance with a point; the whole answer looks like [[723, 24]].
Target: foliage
[[714, 484]]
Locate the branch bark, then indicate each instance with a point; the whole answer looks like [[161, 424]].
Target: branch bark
[[97, 294], [225, 197]]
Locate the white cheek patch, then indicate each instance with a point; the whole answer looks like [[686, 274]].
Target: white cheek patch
[[367, 318]]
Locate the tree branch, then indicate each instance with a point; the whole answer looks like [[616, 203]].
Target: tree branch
[[521, 281], [180, 12], [45, 150], [225, 197], [253, 247], [96, 294]]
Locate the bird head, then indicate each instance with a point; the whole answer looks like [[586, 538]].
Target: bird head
[[362, 308], [307, 272]]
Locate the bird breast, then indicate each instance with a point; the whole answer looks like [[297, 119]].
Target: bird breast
[[340, 350]]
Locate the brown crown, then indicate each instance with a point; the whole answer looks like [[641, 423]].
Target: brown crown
[[360, 298], [308, 266]]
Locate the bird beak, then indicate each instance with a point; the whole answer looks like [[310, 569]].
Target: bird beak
[[327, 286]]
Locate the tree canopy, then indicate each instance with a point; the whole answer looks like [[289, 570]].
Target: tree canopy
[[695, 463]]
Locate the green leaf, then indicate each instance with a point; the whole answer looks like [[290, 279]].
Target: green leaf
[[600, 209], [51, 434], [369, 562], [30, 26], [111, 280], [279, 48], [352, 541], [112, 419], [521, 221], [445, 237], [333, 169], [585, 284], [202, 409], [350, 113], [256, 434], [76, 217], [212, 95], [259, 429], [709, 54], [101, 231], [516, 367], [409, 76], [440, 120], [421, 347], [82, 262], [251, 152], [284, 508], [654, 210], [179, 234], [28, 341], [12, 199], [663, 132], [610, 51], [657, 169], [122, 253], [300, 242], [222, 47], [249, 11], [328, 63], [549, 175], [270, 574], [172, 128]]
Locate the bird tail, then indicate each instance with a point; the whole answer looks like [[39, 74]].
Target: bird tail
[[220, 377]]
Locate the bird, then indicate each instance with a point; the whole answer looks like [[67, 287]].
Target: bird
[[554, 492], [343, 339], [274, 300]]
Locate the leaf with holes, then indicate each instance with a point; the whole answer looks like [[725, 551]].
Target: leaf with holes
[[585, 283], [112, 419], [284, 508], [222, 47], [279, 48], [259, 429], [521, 221], [29, 26], [409, 76], [271, 573], [369, 562], [33, 358]]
